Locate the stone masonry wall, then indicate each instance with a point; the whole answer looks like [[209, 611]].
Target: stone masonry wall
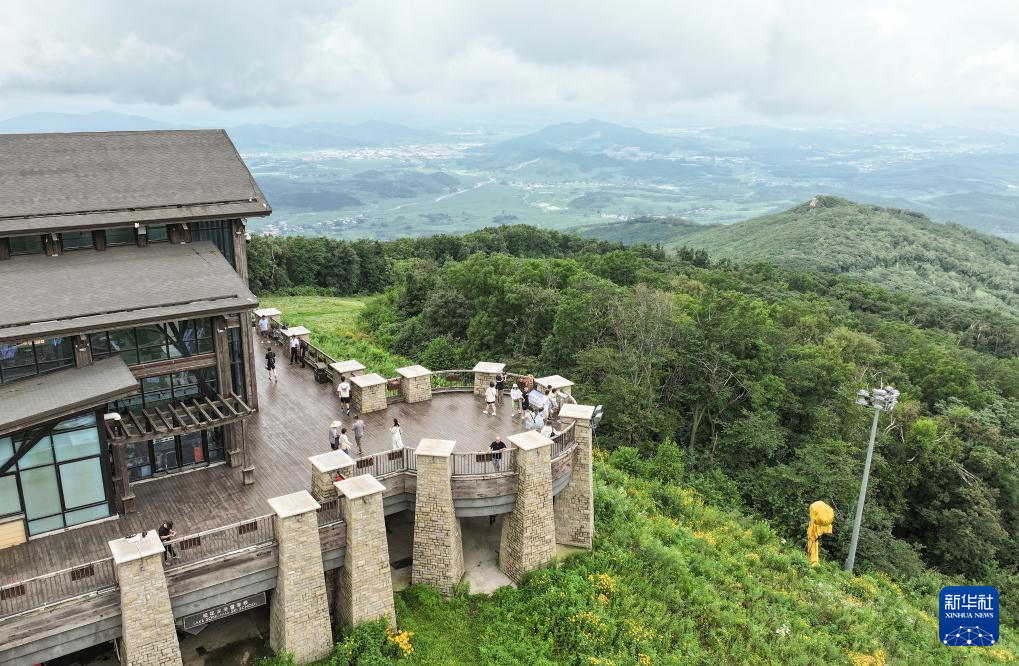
[[416, 389], [322, 483], [299, 614], [574, 506], [528, 532], [368, 399], [481, 382], [365, 586], [147, 630], [438, 545]]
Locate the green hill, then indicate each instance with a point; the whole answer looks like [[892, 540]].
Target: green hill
[[650, 230], [897, 249]]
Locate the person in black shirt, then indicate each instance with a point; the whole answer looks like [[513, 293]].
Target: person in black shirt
[[270, 364], [500, 384], [166, 533], [496, 447]]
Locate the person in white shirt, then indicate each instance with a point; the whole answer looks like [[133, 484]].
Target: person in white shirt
[[516, 395], [490, 396], [334, 434], [343, 391], [263, 328], [344, 441], [397, 435], [294, 344], [563, 397], [547, 431]]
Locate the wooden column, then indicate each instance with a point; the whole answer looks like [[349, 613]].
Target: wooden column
[[248, 347], [82, 351], [5, 248], [232, 434], [121, 480], [141, 236], [99, 239], [51, 245], [240, 249]]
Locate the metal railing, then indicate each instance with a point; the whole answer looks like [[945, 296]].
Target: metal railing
[[221, 541], [329, 512], [563, 441], [381, 464], [477, 463], [393, 393], [452, 380], [88, 579]]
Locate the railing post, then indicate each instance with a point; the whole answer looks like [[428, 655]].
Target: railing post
[[299, 613], [415, 383], [438, 546], [364, 589], [368, 393], [528, 532], [484, 374], [574, 506], [148, 635], [324, 469]]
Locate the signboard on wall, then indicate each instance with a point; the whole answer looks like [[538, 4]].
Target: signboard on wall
[[223, 610]]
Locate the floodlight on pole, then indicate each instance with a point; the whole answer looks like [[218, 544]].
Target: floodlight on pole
[[880, 400]]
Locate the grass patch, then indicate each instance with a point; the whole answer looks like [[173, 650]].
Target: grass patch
[[333, 323]]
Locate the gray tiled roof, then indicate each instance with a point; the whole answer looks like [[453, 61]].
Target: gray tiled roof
[[88, 290], [54, 182], [46, 397]]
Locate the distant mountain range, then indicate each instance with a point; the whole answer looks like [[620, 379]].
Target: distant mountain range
[[894, 248]]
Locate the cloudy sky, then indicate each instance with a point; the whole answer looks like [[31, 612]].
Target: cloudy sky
[[653, 62]]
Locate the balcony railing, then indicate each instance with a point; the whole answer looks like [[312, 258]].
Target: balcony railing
[[482, 463], [222, 541], [452, 380], [91, 578]]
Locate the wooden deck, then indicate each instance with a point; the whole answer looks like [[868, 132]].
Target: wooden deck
[[292, 423]]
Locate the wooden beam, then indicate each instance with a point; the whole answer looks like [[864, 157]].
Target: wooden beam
[[228, 405], [241, 402], [194, 418], [177, 415], [198, 406], [137, 424], [162, 417], [109, 431], [212, 405], [151, 421]]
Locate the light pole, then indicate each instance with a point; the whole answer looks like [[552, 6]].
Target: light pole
[[880, 399]]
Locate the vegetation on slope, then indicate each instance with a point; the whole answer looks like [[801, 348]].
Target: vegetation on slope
[[897, 249]]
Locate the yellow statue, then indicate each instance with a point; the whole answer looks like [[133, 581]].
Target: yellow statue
[[821, 518]]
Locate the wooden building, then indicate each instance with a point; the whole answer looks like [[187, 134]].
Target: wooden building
[[126, 352]]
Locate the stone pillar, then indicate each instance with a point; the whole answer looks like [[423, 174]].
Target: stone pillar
[[364, 589], [349, 368], [574, 506], [415, 383], [148, 635], [438, 547], [324, 469], [368, 393], [299, 613], [555, 382], [528, 532], [484, 374]]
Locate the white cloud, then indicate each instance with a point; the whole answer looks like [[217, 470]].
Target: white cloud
[[866, 60]]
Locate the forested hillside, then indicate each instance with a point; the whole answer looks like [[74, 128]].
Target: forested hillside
[[897, 249], [752, 371]]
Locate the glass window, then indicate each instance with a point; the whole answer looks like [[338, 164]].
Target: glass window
[[191, 450], [122, 236], [25, 359], [76, 240], [9, 500], [6, 449], [165, 454], [54, 353], [75, 422], [220, 232], [82, 483], [123, 342], [42, 496], [76, 444], [139, 463], [45, 525], [85, 515], [26, 245], [214, 443], [40, 454], [158, 233]]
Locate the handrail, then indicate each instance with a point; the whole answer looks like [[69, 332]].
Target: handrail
[[222, 541], [88, 579]]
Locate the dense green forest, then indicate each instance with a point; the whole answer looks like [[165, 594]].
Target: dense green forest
[[751, 370], [896, 249]]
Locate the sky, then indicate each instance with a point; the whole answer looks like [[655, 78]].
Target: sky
[[438, 62]]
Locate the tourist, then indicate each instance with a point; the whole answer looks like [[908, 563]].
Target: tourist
[[500, 384], [303, 353], [563, 398], [166, 533], [497, 446], [343, 391], [547, 431], [397, 435], [528, 383], [358, 433], [546, 406], [334, 435], [533, 420], [489, 399], [294, 344], [516, 396], [270, 364], [263, 329], [344, 441]]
